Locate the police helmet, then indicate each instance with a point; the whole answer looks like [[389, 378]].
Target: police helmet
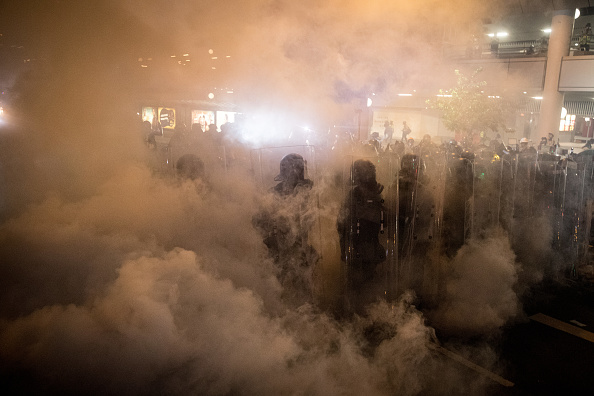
[[363, 172], [189, 166], [291, 166]]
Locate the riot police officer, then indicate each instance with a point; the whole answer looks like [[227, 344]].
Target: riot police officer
[[285, 227], [359, 224]]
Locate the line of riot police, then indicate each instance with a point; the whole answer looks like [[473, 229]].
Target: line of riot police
[[405, 209], [437, 198]]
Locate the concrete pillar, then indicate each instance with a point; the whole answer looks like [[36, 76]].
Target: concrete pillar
[[552, 99]]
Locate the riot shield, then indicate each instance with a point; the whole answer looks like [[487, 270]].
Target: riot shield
[[573, 194], [428, 231], [486, 193], [404, 220], [288, 218], [191, 154], [361, 226], [265, 163], [458, 201]]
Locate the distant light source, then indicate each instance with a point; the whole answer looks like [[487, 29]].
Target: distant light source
[[537, 97], [547, 30], [210, 51], [404, 94], [577, 13], [211, 96], [502, 34], [369, 102]]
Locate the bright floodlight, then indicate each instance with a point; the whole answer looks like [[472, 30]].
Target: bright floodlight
[[577, 13]]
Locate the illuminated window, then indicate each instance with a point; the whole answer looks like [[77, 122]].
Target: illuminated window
[[567, 123], [148, 114]]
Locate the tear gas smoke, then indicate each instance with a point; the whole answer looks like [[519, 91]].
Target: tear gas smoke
[[115, 280], [480, 288]]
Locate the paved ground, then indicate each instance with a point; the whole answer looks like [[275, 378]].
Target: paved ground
[[551, 353]]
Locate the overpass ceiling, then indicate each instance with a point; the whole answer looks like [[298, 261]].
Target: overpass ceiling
[[534, 6], [579, 96]]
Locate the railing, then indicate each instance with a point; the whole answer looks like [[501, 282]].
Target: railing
[[508, 49]]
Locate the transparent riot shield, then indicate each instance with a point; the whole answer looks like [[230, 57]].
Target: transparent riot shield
[[524, 184], [361, 225], [584, 268], [428, 232], [585, 264], [187, 148], [266, 162], [390, 241], [574, 189], [458, 201], [486, 193], [159, 159], [289, 219]]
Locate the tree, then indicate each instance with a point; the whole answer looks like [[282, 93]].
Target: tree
[[466, 108]]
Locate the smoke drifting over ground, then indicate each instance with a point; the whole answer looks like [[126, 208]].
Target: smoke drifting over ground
[[480, 295], [120, 293], [113, 280]]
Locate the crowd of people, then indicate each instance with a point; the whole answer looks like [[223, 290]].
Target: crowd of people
[[399, 201]]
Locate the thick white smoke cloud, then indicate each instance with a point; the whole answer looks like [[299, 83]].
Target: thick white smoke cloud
[[480, 288]]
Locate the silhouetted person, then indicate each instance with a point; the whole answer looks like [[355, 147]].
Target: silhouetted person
[[189, 166], [388, 132], [585, 37], [495, 46], [588, 144], [285, 229], [292, 176], [359, 224], [405, 131], [374, 141]]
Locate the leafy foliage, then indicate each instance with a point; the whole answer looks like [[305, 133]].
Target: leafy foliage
[[467, 108]]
